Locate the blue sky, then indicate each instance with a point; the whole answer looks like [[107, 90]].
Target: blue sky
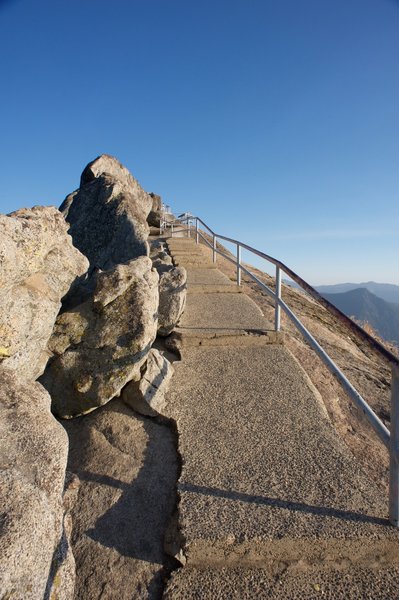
[[276, 121]]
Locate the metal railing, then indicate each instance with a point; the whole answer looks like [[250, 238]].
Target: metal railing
[[389, 438]]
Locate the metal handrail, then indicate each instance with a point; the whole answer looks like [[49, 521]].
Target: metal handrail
[[389, 438]]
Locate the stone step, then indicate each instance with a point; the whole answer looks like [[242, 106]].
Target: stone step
[[181, 339], [197, 288], [288, 582], [236, 312], [266, 479], [190, 264], [205, 277]]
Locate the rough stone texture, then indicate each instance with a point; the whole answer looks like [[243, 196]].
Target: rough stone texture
[[172, 298], [147, 396], [311, 584], [38, 263], [101, 344], [33, 454], [108, 217], [265, 476], [127, 468], [154, 217]]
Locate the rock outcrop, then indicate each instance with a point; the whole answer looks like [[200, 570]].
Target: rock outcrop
[[38, 264], [154, 217], [172, 288], [100, 345], [147, 396], [34, 448], [107, 217], [172, 298]]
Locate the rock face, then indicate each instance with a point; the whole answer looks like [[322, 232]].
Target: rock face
[[38, 263], [172, 298], [172, 288], [147, 396], [33, 449], [101, 344], [107, 216], [154, 217]]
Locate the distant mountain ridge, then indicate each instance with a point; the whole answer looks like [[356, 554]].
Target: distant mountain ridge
[[387, 291], [365, 306]]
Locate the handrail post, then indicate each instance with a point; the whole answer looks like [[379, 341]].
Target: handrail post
[[394, 450], [277, 293], [214, 249], [188, 227], [238, 264], [196, 231], [172, 228]]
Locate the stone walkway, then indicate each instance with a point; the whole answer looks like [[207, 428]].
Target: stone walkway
[[272, 502]]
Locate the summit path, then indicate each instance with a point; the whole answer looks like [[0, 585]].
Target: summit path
[[272, 502]]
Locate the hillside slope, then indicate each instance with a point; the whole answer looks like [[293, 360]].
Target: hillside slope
[[387, 291], [368, 308]]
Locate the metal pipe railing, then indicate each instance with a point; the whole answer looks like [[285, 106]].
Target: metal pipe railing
[[389, 438]]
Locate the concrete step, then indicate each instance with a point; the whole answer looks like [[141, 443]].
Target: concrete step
[[181, 339], [197, 288], [266, 479], [206, 277], [291, 583], [236, 312], [192, 264]]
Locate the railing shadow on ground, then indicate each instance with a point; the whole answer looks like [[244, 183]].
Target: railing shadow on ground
[[321, 511]]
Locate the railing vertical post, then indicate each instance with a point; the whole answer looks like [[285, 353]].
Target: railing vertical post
[[394, 450], [172, 229], [196, 231], [188, 227], [277, 310], [238, 264], [214, 249]]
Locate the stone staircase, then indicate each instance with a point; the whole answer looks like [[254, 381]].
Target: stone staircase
[[272, 502]]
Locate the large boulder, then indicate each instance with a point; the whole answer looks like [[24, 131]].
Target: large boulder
[[147, 396], [38, 263], [107, 217], [34, 546], [172, 297], [101, 344]]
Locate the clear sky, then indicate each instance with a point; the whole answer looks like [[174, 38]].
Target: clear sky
[[277, 121]]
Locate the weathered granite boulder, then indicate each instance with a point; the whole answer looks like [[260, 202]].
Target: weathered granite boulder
[[33, 450], [108, 219], [147, 396], [172, 298], [38, 263], [101, 344], [154, 217]]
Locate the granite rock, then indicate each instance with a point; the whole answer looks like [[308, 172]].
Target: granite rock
[[108, 219], [147, 396], [172, 298], [100, 345], [33, 450], [38, 264]]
